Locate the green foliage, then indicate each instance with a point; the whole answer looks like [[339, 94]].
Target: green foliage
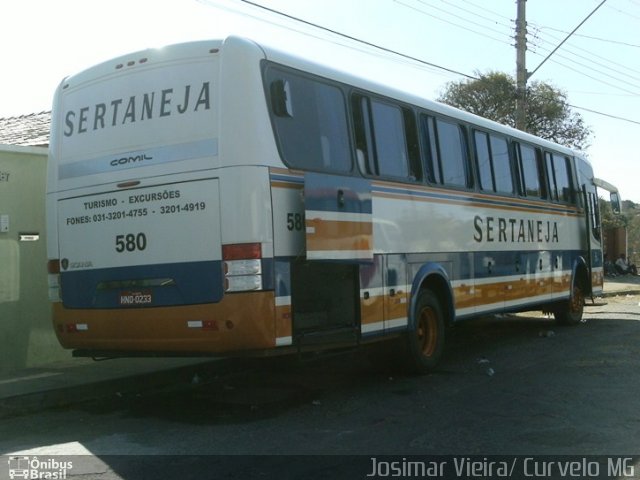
[[607, 217], [493, 96], [631, 211]]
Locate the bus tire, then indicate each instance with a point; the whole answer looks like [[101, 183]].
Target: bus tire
[[570, 313], [426, 333]]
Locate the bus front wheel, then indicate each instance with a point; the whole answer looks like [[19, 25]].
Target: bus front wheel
[[426, 333]]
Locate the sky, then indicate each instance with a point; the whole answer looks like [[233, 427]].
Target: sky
[[42, 41]]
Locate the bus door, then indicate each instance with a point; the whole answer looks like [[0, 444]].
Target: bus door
[[339, 237], [594, 228], [593, 237]]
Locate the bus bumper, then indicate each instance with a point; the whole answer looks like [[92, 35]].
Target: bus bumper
[[243, 321]]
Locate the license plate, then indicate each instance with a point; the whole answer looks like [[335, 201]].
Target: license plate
[[142, 297]]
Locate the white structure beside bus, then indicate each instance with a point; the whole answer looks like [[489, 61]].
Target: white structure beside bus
[[219, 197]]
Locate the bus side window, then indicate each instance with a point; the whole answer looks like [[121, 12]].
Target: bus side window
[[562, 167], [386, 142], [483, 160], [452, 153], [559, 175], [594, 208], [431, 167], [310, 122], [391, 146], [362, 132], [551, 179], [413, 144], [493, 163], [502, 165], [530, 173], [281, 98]]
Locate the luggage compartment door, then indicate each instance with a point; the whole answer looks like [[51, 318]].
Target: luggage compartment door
[[338, 218]]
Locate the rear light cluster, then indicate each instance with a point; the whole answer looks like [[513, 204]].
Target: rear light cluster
[[53, 268], [242, 267]]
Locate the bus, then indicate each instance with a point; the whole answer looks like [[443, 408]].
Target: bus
[[228, 198]]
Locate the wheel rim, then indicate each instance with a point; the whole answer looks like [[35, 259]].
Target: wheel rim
[[577, 300], [428, 331]]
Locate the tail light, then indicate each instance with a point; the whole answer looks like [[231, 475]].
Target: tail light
[[242, 267], [53, 268]]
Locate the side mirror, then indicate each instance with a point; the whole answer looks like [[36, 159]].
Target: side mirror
[[615, 203]]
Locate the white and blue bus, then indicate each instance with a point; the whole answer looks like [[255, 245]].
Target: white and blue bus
[[222, 197]]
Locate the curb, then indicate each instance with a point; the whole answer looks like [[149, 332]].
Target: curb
[[621, 293]]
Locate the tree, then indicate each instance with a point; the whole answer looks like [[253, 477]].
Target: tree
[[493, 96]]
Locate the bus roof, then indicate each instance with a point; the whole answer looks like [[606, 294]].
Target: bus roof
[[181, 51]]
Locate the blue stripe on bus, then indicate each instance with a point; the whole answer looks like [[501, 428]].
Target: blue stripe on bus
[[466, 266], [188, 283], [140, 158], [282, 269], [426, 192], [558, 209], [192, 283], [321, 194]]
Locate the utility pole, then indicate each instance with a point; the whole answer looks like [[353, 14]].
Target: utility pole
[[521, 66]]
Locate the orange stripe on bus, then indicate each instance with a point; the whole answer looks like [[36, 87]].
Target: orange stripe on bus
[[371, 310], [337, 235], [507, 291], [289, 185], [472, 203], [237, 322], [397, 306], [467, 198], [283, 321]]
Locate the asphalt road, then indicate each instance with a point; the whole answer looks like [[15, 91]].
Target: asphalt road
[[507, 385]]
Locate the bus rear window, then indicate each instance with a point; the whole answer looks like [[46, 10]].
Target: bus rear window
[[310, 122]]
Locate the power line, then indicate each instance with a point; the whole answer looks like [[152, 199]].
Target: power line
[[484, 9], [529, 74], [354, 39], [453, 23], [478, 15], [614, 73], [623, 12], [587, 52], [393, 52], [600, 39], [605, 114], [446, 12], [599, 72], [634, 93]]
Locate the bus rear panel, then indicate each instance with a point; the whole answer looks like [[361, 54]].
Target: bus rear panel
[[136, 199]]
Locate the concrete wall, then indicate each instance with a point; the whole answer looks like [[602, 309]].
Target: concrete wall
[[26, 333]]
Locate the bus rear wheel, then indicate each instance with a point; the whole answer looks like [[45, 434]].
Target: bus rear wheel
[[571, 311], [426, 333]]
